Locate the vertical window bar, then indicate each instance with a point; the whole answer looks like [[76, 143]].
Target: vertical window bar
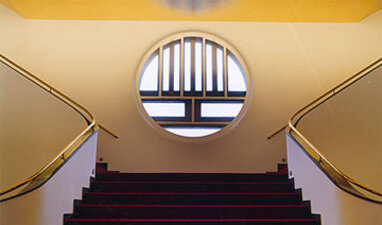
[[160, 71], [193, 65], [220, 68], [204, 66], [193, 110], [171, 80], [187, 65], [181, 66], [177, 66], [225, 72], [198, 66], [209, 69], [214, 69]]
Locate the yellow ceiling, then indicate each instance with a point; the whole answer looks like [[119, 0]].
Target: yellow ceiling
[[198, 10]]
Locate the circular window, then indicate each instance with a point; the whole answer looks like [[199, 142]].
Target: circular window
[[192, 85]]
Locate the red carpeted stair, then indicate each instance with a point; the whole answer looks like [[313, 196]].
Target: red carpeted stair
[[191, 198]]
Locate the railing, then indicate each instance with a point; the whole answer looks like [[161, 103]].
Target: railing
[[276, 132], [338, 177], [107, 131], [48, 170]]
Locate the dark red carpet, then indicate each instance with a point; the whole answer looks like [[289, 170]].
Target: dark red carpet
[[185, 198]]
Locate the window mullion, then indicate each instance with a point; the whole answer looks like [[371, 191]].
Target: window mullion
[[225, 73], [204, 76], [171, 78], [193, 110], [160, 67], [181, 67], [192, 65]]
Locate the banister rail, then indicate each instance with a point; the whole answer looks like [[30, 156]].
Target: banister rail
[[108, 131], [59, 95], [339, 178], [48, 170], [276, 132]]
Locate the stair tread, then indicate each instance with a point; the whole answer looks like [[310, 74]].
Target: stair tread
[[185, 220], [185, 182], [196, 221], [184, 198], [188, 206], [192, 211], [192, 193], [140, 186], [271, 176], [194, 173]]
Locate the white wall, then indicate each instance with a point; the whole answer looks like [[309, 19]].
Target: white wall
[[335, 206], [95, 63]]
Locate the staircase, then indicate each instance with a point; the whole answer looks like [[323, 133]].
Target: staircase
[[191, 198]]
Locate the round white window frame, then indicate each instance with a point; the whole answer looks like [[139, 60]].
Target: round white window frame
[[175, 37]]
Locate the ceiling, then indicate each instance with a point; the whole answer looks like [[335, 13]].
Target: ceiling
[[198, 10]]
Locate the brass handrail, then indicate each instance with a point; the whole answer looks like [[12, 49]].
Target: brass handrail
[[339, 178], [276, 132], [108, 131], [59, 95], [48, 170], [60, 155]]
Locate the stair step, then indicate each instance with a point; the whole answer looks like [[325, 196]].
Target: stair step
[[116, 198], [191, 211], [192, 222], [190, 198], [192, 177], [190, 186]]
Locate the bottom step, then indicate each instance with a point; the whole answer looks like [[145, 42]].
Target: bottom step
[[192, 221]]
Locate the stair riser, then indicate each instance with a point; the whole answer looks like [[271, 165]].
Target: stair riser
[[192, 199], [194, 177], [196, 223], [191, 212], [199, 188]]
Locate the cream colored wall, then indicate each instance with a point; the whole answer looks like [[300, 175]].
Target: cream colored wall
[[347, 129], [34, 127], [95, 63]]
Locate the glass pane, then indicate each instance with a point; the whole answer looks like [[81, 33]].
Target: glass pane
[[176, 66], [228, 109], [187, 65], [193, 131], [166, 69], [198, 65], [236, 78], [209, 67], [220, 68], [165, 109], [149, 77]]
